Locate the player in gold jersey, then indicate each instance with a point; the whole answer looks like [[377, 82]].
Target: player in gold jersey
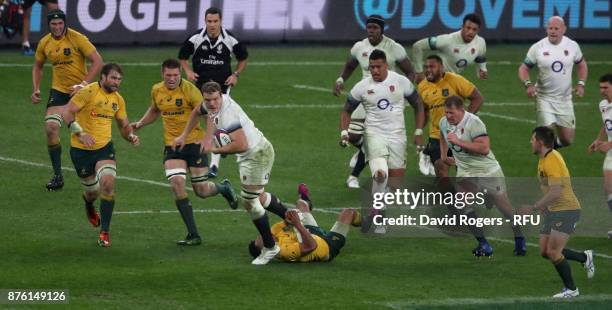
[[302, 240], [435, 89], [66, 50], [89, 115], [173, 99], [561, 211]]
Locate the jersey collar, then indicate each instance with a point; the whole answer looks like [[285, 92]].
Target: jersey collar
[[220, 38]]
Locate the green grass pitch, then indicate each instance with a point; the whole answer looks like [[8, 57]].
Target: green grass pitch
[[46, 242]]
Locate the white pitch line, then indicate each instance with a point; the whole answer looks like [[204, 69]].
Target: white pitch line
[[506, 117], [496, 301], [328, 210], [34, 164], [296, 63]]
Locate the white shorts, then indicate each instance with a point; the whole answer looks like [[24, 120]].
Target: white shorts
[[392, 150], [359, 113], [256, 167], [608, 161], [550, 118], [494, 182]]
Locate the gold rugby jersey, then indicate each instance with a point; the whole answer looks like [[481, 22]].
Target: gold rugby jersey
[[67, 57]]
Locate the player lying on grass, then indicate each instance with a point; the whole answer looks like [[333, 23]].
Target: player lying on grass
[[302, 240]]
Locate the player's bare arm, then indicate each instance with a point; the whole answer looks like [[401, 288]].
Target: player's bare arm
[[126, 131], [348, 69], [239, 144], [553, 194], [37, 74], [476, 101], [150, 116], [68, 116], [308, 243], [345, 120], [419, 118], [582, 72], [523, 74], [480, 145], [443, 153], [191, 76], [418, 50], [406, 66], [191, 123], [593, 147], [92, 73]]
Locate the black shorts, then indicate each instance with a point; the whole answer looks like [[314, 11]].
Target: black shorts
[[57, 98], [85, 160], [29, 3], [562, 221], [190, 154], [433, 150], [335, 241]]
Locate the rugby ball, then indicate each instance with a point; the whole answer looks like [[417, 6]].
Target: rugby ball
[[222, 138]]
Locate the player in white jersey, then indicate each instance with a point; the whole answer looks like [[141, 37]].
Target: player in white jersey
[[555, 57], [458, 49], [466, 135], [255, 158], [599, 145], [360, 53], [383, 96]]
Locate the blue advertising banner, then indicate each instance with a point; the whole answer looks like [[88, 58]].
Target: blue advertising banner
[[170, 21]]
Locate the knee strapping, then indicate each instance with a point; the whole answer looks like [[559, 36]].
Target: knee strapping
[[177, 172], [107, 169], [379, 164], [252, 203], [54, 119], [90, 186]]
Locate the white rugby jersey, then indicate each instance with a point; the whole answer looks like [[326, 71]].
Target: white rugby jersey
[[384, 103], [230, 118], [455, 53], [468, 129], [555, 64], [362, 49], [605, 107]]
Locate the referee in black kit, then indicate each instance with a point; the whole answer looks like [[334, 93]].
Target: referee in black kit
[[211, 50]]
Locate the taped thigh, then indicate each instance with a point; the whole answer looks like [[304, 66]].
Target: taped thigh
[[176, 173], [90, 185], [106, 169], [54, 119]]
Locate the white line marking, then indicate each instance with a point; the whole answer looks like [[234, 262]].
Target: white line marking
[[295, 63], [506, 117], [29, 163], [495, 301], [327, 210]]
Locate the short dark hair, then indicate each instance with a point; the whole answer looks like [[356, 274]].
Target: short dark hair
[[253, 249], [474, 18], [435, 57], [606, 78], [213, 10], [453, 101], [107, 68], [545, 135], [56, 14], [211, 87], [171, 63], [378, 54]]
